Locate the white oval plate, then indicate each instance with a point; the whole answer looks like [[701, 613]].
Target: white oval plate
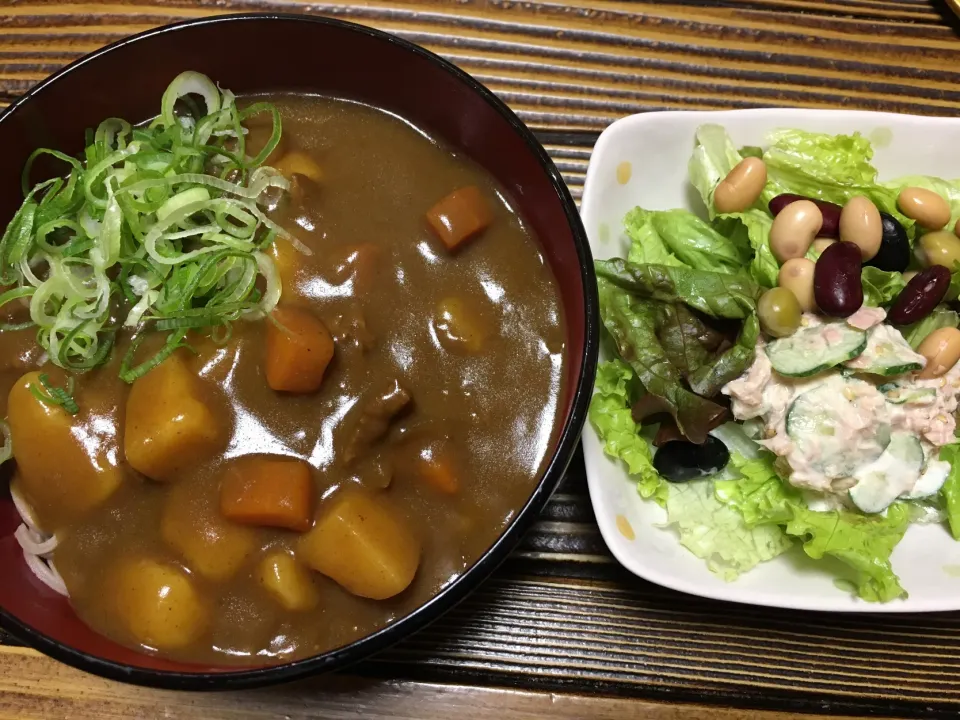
[[657, 147]]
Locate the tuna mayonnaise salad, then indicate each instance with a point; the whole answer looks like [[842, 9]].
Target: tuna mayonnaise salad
[[839, 432], [783, 367]]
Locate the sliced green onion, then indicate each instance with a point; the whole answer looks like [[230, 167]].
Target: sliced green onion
[[148, 223], [130, 372], [53, 395]]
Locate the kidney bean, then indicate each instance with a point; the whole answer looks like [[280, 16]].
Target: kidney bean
[[894, 252], [921, 295], [831, 212], [836, 280]]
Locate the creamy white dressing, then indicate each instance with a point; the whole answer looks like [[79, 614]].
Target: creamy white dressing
[[861, 417]]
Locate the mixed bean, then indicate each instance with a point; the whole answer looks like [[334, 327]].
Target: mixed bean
[[821, 248], [922, 294], [843, 239], [741, 187], [680, 460]]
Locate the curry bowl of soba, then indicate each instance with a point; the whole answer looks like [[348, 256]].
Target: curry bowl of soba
[[294, 345]]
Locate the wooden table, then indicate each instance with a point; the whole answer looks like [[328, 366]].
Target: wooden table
[[561, 630]]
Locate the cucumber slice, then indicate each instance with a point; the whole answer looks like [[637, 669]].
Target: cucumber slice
[[897, 394], [836, 428], [813, 349], [887, 354], [932, 478], [891, 475]]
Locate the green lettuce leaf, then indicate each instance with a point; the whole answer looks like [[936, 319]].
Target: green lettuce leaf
[[678, 237], [716, 294], [631, 323], [754, 225], [714, 157], [843, 159], [942, 316], [879, 286], [862, 542], [950, 492], [828, 167], [611, 418], [646, 245], [759, 494], [717, 533]]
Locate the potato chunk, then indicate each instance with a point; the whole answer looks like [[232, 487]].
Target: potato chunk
[[157, 603], [288, 582], [299, 163], [359, 542], [209, 545], [298, 352], [66, 466], [459, 326], [169, 427]]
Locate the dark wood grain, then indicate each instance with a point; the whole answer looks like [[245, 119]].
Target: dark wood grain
[[561, 615], [32, 686]]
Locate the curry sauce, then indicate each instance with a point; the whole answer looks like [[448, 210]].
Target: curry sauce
[[403, 434]]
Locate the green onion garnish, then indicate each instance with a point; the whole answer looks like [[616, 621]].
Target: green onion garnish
[[53, 395], [147, 221]]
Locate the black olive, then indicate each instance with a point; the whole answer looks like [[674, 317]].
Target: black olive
[[894, 253], [682, 460]]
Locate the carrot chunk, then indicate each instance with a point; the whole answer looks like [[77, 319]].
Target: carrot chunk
[[298, 352], [272, 491], [431, 461], [359, 263], [437, 469], [460, 216]]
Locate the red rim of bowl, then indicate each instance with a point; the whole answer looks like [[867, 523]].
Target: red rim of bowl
[[495, 554]]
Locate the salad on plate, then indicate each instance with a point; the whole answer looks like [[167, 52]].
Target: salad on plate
[[784, 365]]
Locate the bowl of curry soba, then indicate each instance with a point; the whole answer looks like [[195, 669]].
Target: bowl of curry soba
[[295, 343]]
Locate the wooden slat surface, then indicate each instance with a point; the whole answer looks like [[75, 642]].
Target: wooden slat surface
[[32, 686], [561, 615]]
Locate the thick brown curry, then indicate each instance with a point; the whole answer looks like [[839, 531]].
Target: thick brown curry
[[324, 472]]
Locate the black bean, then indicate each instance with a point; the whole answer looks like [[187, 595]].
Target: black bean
[[830, 211], [836, 280], [682, 460], [894, 253], [921, 295]]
